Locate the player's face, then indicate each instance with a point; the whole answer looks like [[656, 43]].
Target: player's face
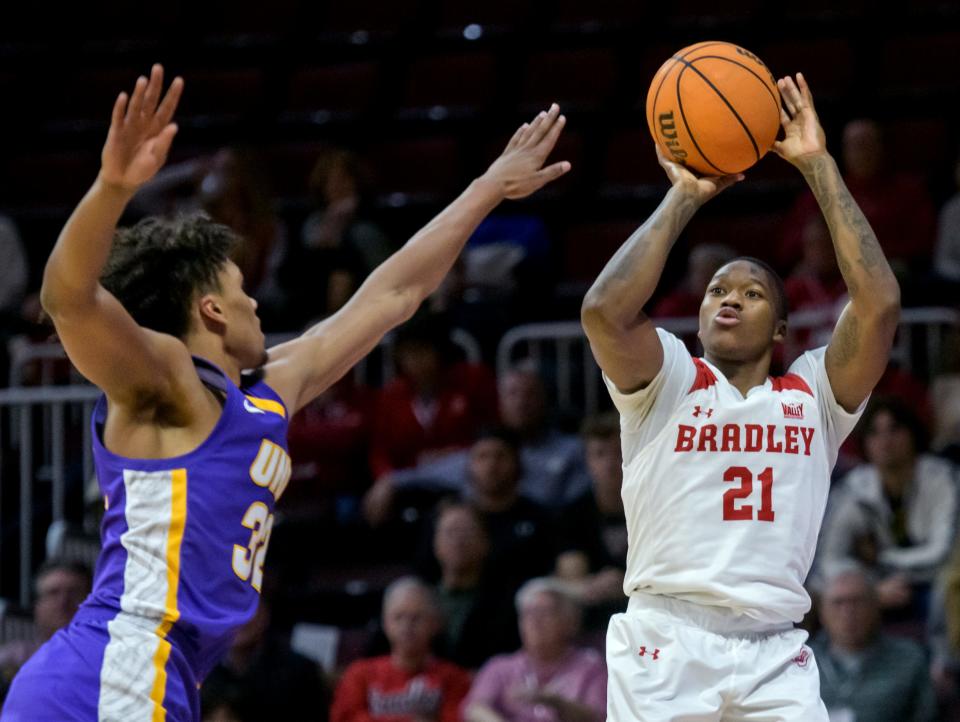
[[244, 337], [738, 318]]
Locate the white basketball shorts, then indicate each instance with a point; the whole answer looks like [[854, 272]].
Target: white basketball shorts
[[674, 661]]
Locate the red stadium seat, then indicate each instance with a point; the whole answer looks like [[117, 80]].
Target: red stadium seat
[[573, 78], [828, 64], [917, 65], [576, 15], [346, 88], [452, 82], [492, 16], [50, 178], [750, 233], [429, 166], [220, 92], [361, 21], [630, 160], [917, 145]]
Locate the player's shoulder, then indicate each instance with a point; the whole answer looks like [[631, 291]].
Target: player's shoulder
[[804, 372]]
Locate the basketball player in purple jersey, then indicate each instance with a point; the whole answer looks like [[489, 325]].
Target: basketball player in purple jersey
[[190, 450], [727, 469]]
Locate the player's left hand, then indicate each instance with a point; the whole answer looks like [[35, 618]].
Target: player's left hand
[[804, 136], [519, 170]]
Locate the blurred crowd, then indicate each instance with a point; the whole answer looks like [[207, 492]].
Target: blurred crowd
[[466, 536]]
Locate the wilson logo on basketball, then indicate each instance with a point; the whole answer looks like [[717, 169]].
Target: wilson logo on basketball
[[792, 411], [802, 659]]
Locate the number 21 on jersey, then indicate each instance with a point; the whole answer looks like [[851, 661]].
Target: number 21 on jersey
[[744, 512]]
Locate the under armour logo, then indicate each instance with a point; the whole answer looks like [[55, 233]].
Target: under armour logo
[[801, 659], [655, 654], [697, 411]]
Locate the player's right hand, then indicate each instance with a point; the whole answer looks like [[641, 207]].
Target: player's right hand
[[140, 132], [519, 170], [700, 188]]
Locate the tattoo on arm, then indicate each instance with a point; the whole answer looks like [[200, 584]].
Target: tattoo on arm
[[844, 217], [846, 340]]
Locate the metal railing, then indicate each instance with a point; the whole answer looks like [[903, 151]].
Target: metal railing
[[46, 364], [561, 352], [60, 407]]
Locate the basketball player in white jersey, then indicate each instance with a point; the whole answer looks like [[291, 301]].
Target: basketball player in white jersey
[[726, 469]]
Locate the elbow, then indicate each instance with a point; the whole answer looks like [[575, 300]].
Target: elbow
[[594, 309], [888, 304]]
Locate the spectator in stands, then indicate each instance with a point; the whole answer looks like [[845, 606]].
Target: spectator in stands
[[228, 186], [477, 608], [435, 404], [232, 193], [262, 678], [339, 190], [593, 530], [409, 683], [943, 633], [338, 246], [946, 257], [864, 673], [815, 282], [548, 679], [13, 271], [329, 442], [945, 392], [685, 299], [13, 286], [59, 588], [897, 512], [554, 472], [522, 543], [897, 205]]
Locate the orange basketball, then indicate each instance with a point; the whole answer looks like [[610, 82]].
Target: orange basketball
[[714, 107]]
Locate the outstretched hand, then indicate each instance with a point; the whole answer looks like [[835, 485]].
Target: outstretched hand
[[700, 188], [140, 132], [804, 136], [519, 170]]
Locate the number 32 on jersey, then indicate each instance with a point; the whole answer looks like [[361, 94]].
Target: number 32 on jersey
[[271, 470]]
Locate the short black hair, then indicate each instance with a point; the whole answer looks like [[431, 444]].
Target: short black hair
[[157, 267], [503, 434], [780, 303], [903, 416]]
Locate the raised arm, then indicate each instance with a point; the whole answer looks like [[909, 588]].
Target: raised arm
[[621, 335], [860, 346], [102, 340], [301, 369]]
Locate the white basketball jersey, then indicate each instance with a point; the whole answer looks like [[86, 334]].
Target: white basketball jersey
[[725, 494]]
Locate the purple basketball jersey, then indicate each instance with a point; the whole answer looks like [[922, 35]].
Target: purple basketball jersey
[[184, 540]]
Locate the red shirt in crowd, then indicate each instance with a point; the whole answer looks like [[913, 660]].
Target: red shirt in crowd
[[376, 689], [407, 429]]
